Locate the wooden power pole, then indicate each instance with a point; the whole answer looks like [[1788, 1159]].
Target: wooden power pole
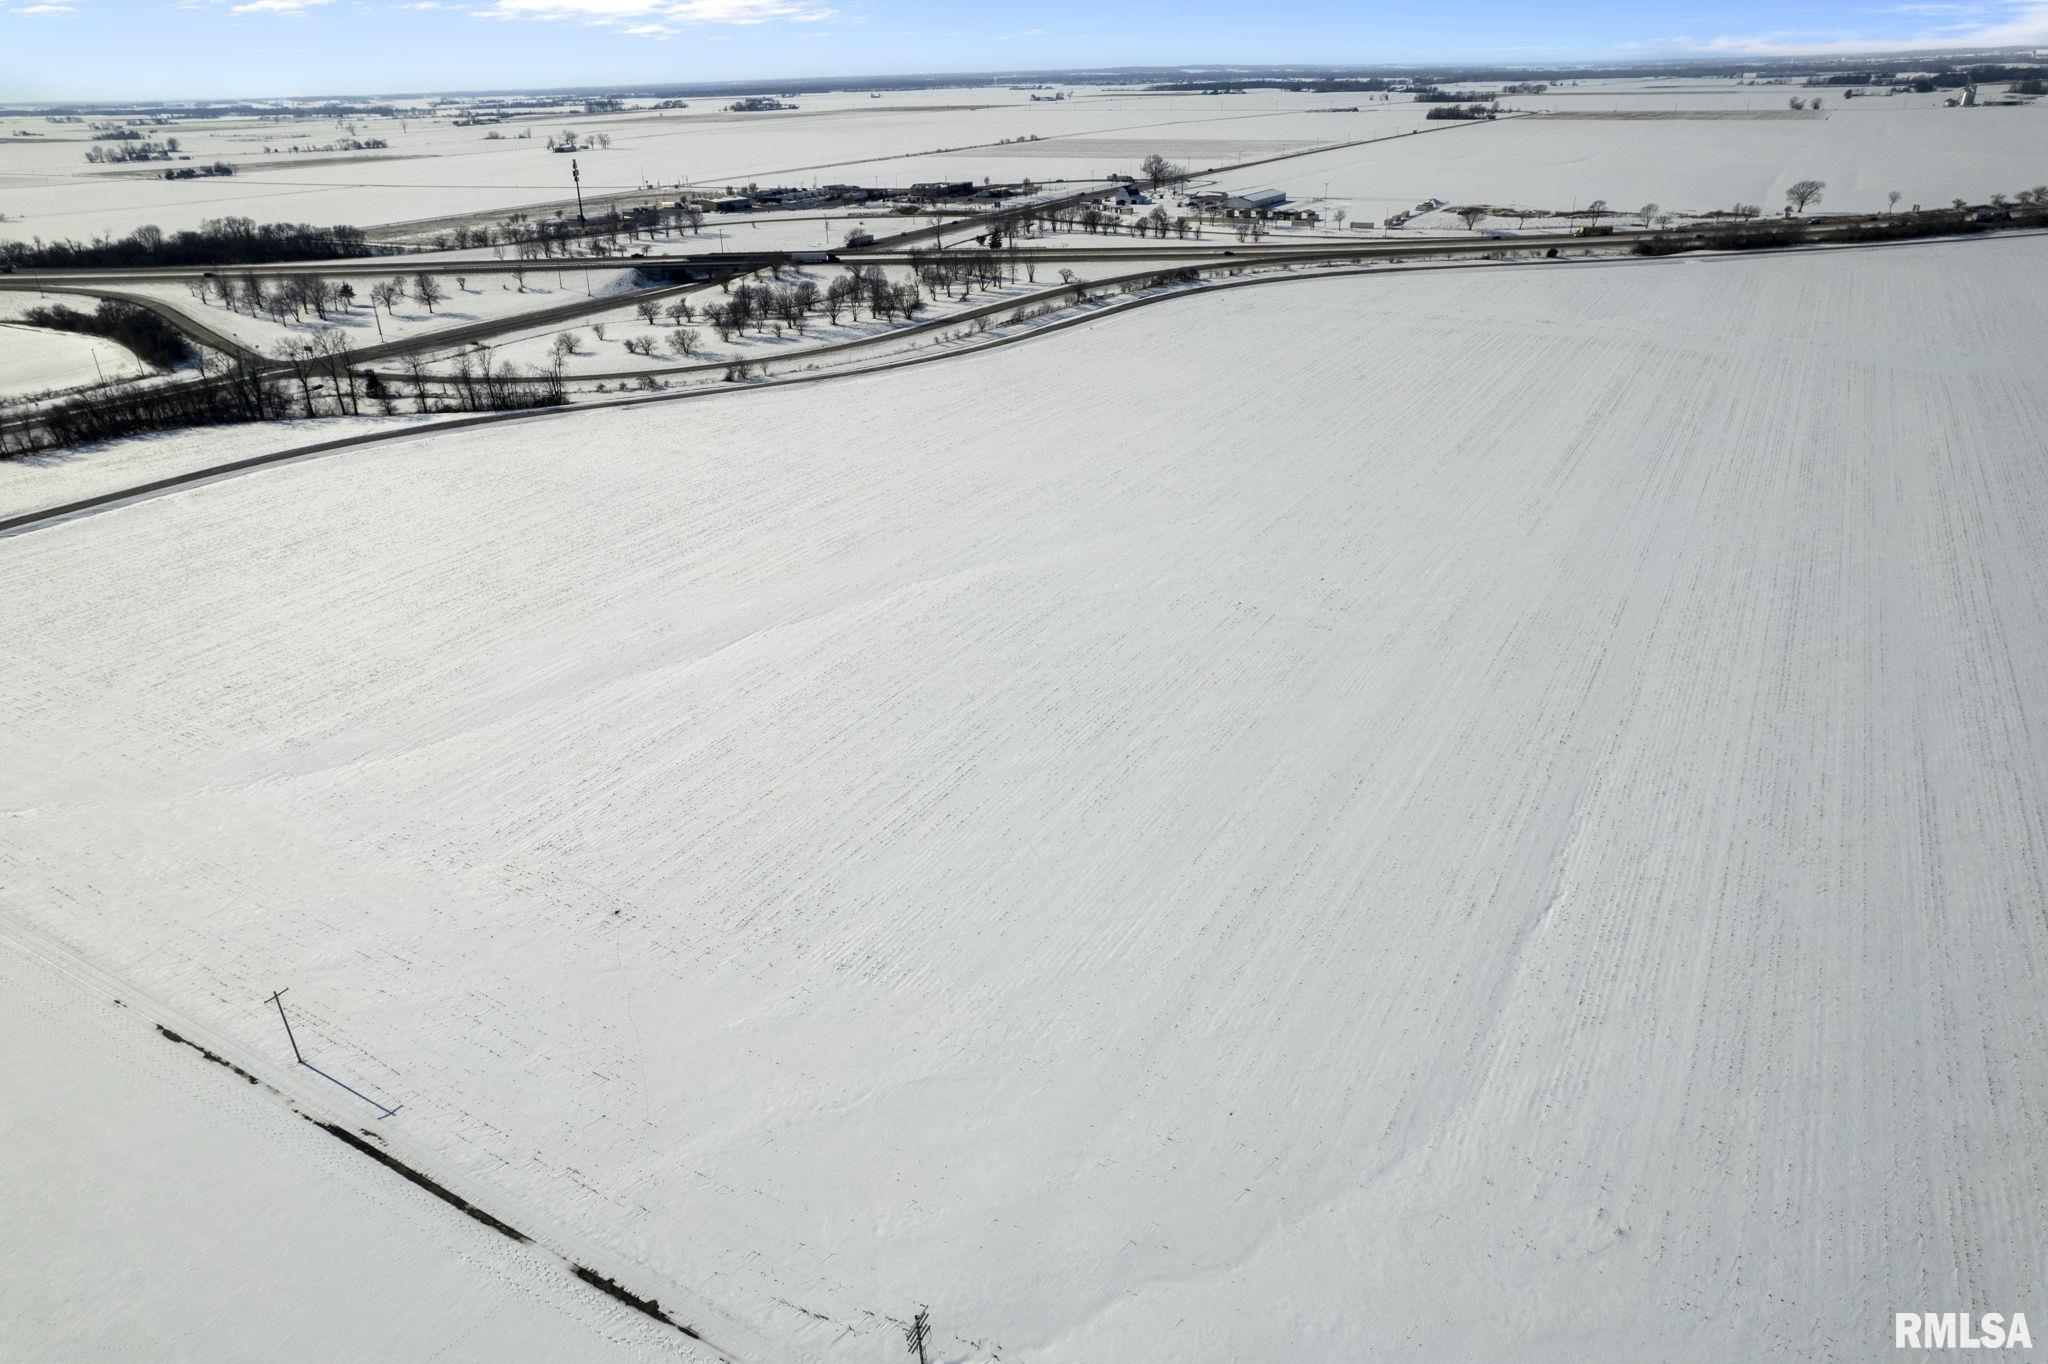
[[919, 1332]]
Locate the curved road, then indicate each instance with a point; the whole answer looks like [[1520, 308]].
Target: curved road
[[36, 520]]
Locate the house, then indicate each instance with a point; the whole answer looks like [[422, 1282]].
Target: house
[[1128, 195]]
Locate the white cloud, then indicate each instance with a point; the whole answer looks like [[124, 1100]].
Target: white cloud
[[45, 10], [659, 19], [294, 9], [2003, 23]]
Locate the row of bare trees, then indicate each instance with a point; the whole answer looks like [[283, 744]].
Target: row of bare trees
[[239, 391], [475, 380], [772, 305], [289, 298], [310, 376]]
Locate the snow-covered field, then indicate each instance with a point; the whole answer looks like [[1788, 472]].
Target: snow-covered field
[[53, 478], [1463, 816], [1862, 150], [431, 169], [39, 360], [161, 1208]]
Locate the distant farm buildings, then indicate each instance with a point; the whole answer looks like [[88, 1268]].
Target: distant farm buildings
[[1267, 204]]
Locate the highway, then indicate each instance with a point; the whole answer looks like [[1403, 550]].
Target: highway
[[1119, 253], [36, 520]]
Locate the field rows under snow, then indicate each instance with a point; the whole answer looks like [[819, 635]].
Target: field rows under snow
[[1470, 815]]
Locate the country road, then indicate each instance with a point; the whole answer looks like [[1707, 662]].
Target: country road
[[27, 522]]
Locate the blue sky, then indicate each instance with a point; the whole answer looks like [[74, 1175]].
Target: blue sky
[[175, 48]]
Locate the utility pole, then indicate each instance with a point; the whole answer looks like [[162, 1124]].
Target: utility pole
[[277, 998], [919, 1332], [576, 174]]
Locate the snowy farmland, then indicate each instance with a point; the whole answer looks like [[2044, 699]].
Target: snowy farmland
[[432, 168], [1862, 151], [299, 1244], [1687, 144], [1501, 821], [40, 360]]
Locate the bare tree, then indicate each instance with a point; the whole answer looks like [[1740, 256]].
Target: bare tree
[[427, 289], [416, 372], [1647, 212], [565, 345], [649, 309], [1473, 215], [1891, 200], [678, 312], [683, 341], [839, 297], [1157, 170], [298, 357], [1804, 192], [329, 349]]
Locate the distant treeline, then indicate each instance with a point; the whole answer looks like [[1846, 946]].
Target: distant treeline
[[1925, 81], [153, 340], [1461, 111], [1369, 85], [338, 109], [1432, 95], [218, 241], [1769, 232]]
